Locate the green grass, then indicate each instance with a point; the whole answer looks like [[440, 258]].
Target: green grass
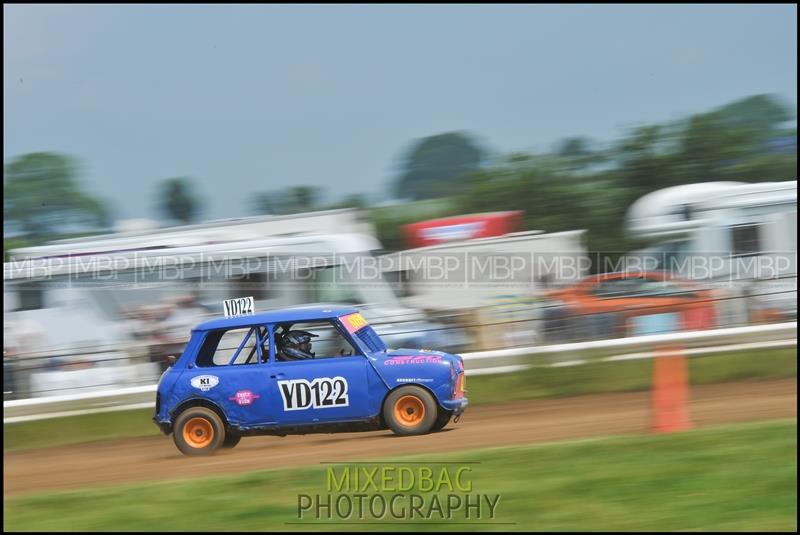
[[625, 376], [77, 429], [739, 477]]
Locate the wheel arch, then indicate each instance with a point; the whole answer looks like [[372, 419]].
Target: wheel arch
[[424, 387], [198, 402]]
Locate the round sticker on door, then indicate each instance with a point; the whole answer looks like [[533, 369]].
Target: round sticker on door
[[205, 382]]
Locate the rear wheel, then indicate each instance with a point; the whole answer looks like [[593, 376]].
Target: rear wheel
[[231, 440], [198, 431], [410, 410]]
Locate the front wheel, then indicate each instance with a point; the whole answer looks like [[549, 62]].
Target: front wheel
[[198, 431], [410, 410], [442, 420]]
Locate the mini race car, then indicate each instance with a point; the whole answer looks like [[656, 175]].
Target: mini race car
[[256, 374]]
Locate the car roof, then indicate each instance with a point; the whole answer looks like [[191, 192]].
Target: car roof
[[287, 315]]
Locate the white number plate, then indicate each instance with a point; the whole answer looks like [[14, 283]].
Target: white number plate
[[239, 307]]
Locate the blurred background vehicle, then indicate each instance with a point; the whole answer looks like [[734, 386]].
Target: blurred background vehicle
[[615, 305], [480, 270], [743, 236]]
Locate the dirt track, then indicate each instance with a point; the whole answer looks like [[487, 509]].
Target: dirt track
[[156, 458]]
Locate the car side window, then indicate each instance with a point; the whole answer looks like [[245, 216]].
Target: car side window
[[233, 347], [638, 287], [325, 341], [615, 288], [659, 288]]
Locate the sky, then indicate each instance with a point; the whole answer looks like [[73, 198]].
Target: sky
[[257, 98]]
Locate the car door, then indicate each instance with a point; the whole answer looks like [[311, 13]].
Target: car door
[[319, 390]]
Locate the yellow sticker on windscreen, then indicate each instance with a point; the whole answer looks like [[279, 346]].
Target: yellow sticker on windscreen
[[353, 322]]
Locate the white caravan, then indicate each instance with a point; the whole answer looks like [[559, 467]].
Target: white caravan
[[345, 221], [742, 235]]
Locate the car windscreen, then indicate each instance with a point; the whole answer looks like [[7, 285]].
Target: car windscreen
[[359, 327]]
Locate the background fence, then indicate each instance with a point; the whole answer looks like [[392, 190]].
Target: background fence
[[692, 344]]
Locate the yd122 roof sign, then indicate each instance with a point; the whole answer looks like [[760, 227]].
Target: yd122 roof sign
[[239, 307]]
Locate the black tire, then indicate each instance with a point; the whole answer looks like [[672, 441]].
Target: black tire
[[198, 431], [231, 440], [410, 410], [442, 420]]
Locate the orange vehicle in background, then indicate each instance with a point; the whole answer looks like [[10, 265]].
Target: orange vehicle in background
[[612, 304]]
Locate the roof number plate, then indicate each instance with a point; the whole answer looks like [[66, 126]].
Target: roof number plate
[[241, 306]]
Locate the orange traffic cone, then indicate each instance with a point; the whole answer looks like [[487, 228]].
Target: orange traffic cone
[[670, 392]]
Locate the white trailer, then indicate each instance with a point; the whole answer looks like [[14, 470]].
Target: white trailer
[[489, 281], [480, 272]]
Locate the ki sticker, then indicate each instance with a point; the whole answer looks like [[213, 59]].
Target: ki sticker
[[205, 382]]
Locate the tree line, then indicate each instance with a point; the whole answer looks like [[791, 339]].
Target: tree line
[[579, 184], [582, 184]]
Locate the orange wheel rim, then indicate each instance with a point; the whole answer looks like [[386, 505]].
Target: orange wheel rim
[[409, 410], [198, 432]]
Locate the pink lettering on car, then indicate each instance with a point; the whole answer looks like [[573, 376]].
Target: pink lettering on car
[[245, 397], [413, 359]]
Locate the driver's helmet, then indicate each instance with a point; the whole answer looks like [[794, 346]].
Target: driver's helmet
[[297, 345]]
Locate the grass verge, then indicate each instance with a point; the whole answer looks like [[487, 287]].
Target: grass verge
[[627, 376]]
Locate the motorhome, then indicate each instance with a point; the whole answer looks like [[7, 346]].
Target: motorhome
[[729, 233]]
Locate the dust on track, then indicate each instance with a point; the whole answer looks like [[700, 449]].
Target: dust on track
[[143, 459]]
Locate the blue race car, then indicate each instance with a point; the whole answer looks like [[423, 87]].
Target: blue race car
[[257, 375]]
